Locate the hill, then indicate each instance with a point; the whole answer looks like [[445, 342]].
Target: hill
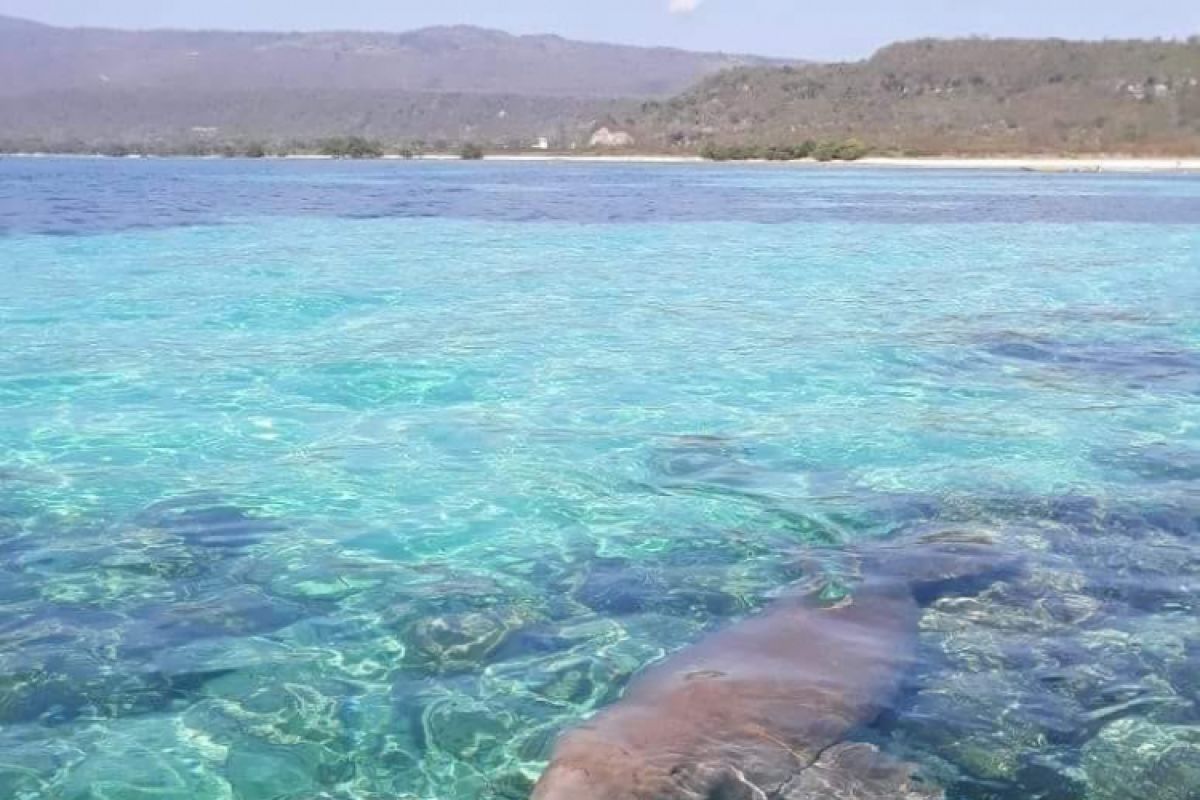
[[16, 24], [957, 96], [38, 58], [198, 91], [165, 121], [448, 82]]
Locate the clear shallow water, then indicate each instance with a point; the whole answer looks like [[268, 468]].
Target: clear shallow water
[[363, 481]]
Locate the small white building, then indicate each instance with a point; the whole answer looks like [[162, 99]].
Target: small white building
[[542, 143], [609, 138]]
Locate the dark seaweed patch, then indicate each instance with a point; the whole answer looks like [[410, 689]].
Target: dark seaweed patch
[[709, 465], [1154, 365], [204, 521], [618, 588], [684, 457], [614, 587], [1158, 462], [62, 691], [237, 612], [535, 640]]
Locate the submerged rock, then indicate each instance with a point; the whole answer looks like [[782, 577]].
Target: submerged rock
[[1135, 758], [455, 642], [260, 769], [513, 785], [1069, 609], [466, 729], [990, 725], [856, 771], [167, 561], [1138, 364], [530, 641], [617, 588], [57, 698], [1157, 462], [236, 611], [204, 520], [684, 457], [1184, 673], [152, 757], [716, 466]]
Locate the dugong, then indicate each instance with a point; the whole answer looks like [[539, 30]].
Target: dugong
[[761, 709]]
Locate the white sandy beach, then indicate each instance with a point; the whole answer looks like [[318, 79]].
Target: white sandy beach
[[1101, 164], [1020, 163], [1090, 164], [1036, 164]]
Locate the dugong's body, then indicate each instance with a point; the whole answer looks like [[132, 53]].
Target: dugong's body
[[743, 714]]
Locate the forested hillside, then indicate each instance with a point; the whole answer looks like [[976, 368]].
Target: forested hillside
[[172, 92], [959, 96]]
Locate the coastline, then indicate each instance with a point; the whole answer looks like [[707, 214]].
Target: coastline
[[1098, 164], [1042, 164]]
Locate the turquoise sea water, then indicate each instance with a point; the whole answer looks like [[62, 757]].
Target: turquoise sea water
[[363, 481]]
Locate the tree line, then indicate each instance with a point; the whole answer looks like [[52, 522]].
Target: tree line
[[940, 97], [338, 147], [826, 150]]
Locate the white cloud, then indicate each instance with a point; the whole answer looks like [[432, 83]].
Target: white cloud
[[684, 6]]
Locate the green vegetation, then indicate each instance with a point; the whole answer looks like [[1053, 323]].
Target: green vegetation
[[338, 147], [969, 96], [716, 152], [471, 152], [932, 97], [849, 150], [355, 147], [826, 151], [790, 153], [829, 150]]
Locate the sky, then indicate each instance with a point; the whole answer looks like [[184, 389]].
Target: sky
[[822, 30]]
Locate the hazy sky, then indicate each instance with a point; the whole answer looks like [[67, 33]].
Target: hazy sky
[[801, 28]]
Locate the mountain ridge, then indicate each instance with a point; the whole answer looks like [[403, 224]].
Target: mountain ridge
[[10, 23], [435, 88], [466, 28], [459, 58]]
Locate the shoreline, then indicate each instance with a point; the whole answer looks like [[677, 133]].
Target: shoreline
[[1076, 164], [1041, 164], [1080, 164]]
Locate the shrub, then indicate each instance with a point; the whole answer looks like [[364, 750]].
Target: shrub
[[351, 147], [851, 150], [785, 152], [826, 150], [471, 152], [715, 152], [833, 150]]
